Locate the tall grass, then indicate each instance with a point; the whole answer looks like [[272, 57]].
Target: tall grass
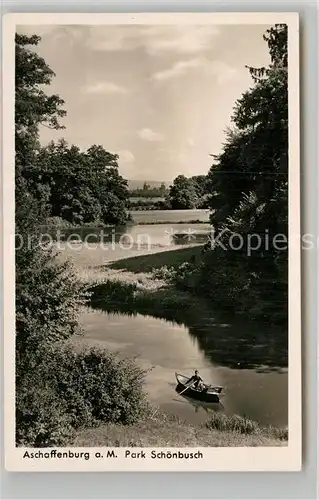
[[168, 430], [244, 425]]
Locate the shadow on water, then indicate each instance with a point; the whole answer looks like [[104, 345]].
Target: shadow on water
[[229, 342], [243, 346], [199, 405]]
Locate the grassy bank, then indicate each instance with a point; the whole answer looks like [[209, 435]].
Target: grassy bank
[[153, 222], [165, 430], [147, 263], [127, 286]]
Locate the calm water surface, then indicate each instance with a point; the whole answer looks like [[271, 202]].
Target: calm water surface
[[227, 355], [130, 241], [170, 215], [166, 347]]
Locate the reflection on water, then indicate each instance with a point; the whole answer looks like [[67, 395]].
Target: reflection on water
[[134, 236], [200, 405], [165, 347]]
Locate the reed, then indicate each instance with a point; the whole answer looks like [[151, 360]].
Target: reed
[[245, 425]]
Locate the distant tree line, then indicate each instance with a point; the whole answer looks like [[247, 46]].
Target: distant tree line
[[185, 193], [149, 191]]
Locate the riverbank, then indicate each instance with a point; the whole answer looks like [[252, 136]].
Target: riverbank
[[168, 431], [137, 285], [133, 286], [152, 222]]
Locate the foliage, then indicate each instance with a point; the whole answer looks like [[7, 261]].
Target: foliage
[[57, 389], [75, 389], [41, 416], [48, 298], [77, 186], [164, 273], [250, 179], [149, 192], [56, 223], [203, 190], [148, 204], [182, 194], [47, 295], [33, 108], [84, 186], [188, 193]]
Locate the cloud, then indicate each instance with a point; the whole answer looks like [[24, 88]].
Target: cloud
[[126, 157], [222, 71], [181, 39], [154, 39], [104, 88], [149, 135], [178, 69], [37, 29]]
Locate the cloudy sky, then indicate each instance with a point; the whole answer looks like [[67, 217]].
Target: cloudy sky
[[159, 96]]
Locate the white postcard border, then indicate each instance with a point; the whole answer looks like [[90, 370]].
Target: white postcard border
[[285, 458]]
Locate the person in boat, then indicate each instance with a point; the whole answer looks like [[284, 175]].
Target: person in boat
[[196, 381]]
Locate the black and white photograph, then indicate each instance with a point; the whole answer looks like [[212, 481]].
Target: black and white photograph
[[155, 184]]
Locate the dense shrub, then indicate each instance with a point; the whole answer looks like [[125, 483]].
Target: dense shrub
[[48, 299], [56, 222], [41, 416], [72, 389], [164, 273], [117, 292]]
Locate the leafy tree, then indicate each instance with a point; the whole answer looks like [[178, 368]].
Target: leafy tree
[[200, 183], [255, 156], [33, 108], [182, 194], [57, 389], [250, 179], [48, 295], [83, 186], [60, 179]]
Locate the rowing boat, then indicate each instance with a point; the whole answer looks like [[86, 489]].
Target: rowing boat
[[210, 394]]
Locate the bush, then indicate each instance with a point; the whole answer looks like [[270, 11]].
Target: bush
[[56, 223], [41, 417], [48, 299], [113, 292], [70, 390], [99, 387], [164, 273]]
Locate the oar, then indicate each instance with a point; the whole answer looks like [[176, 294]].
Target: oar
[[188, 387]]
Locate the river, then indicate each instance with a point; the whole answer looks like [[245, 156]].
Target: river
[[247, 360], [164, 347]]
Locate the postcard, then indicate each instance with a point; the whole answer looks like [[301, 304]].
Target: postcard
[[152, 242]]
